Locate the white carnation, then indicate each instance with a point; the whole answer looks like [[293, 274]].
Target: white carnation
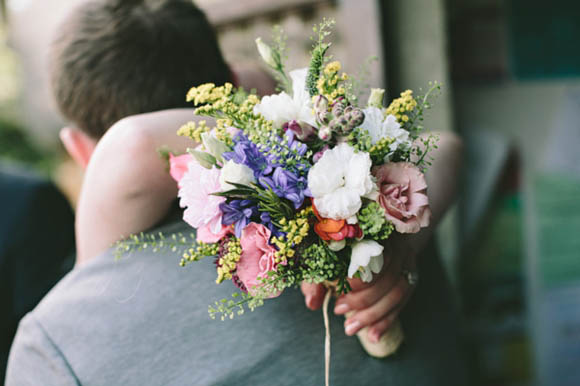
[[366, 257], [338, 181], [236, 173], [282, 108]]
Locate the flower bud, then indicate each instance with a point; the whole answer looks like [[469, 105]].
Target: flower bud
[[338, 108], [336, 245], [266, 53], [321, 109], [214, 146], [376, 98], [303, 131], [318, 155], [355, 117], [325, 133]]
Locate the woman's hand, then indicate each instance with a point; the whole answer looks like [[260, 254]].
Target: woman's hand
[[376, 304]]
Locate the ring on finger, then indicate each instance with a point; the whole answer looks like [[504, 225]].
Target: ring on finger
[[412, 277]]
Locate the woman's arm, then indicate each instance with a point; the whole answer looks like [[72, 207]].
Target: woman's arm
[[127, 188]]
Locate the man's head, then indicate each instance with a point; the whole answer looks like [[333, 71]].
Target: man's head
[[115, 58]]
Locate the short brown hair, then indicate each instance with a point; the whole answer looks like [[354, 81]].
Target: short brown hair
[[114, 58]]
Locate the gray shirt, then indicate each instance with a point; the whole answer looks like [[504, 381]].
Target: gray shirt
[[143, 320]]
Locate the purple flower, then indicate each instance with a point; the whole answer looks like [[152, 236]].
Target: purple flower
[[304, 132], [247, 153], [267, 221], [287, 185], [239, 213]]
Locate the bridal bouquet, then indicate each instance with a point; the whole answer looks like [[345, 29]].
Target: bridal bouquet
[[303, 185]]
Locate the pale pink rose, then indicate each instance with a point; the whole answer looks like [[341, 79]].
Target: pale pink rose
[[205, 235], [178, 165], [403, 195], [196, 189], [257, 256]]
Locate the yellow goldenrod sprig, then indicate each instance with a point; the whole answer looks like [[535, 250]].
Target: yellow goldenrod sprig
[[401, 107], [228, 261], [296, 231], [208, 93], [194, 130], [329, 82], [379, 150], [198, 252]]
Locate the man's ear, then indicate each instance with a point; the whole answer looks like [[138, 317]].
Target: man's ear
[[79, 145]]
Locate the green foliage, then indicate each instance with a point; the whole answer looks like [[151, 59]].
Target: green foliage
[[228, 308], [268, 201], [359, 139], [155, 242], [373, 222], [323, 30], [320, 264], [279, 55]]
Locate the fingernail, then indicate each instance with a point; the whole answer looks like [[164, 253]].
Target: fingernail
[[373, 336], [341, 309], [351, 327]]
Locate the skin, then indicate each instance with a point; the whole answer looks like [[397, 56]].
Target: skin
[[377, 304]]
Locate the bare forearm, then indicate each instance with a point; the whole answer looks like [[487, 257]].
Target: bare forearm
[[127, 188]]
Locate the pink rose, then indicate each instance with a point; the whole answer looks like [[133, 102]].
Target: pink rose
[[257, 257], [403, 195], [178, 165]]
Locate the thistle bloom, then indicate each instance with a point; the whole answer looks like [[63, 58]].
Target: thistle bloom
[[366, 257], [196, 188], [338, 181]]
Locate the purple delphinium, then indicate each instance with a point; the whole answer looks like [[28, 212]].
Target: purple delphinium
[[247, 153], [239, 213], [287, 185]]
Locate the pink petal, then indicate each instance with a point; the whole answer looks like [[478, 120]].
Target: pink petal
[[178, 165]]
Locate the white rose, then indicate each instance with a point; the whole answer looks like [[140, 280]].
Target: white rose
[[366, 257], [236, 173]]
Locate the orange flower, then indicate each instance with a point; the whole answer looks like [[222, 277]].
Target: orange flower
[[329, 229]]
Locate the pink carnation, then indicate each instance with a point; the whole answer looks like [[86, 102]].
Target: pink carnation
[[257, 256], [403, 195], [178, 165], [205, 234], [196, 189]]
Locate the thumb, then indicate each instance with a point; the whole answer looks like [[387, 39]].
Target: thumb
[[313, 295]]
